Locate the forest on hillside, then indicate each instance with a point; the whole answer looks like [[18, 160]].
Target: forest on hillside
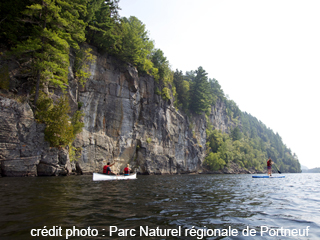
[[41, 35], [313, 170]]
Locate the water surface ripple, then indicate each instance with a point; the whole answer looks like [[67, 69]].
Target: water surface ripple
[[167, 202]]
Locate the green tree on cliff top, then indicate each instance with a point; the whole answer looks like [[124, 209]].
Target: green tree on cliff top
[[103, 25], [182, 88], [199, 92], [56, 27], [136, 47]]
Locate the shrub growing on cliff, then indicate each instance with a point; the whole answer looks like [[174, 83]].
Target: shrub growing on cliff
[[84, 58], [76, 123], [44, 106], [74, 153], [59, 131], [60, 128], [165, 93]]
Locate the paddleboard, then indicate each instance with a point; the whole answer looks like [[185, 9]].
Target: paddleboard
[[264, 176]]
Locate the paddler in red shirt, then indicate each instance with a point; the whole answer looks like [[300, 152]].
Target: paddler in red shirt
[[126, 170], [269, 166], [107, 169]]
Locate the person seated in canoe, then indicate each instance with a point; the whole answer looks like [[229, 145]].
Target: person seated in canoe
[[269, 166], [107, 169], [126, 170]]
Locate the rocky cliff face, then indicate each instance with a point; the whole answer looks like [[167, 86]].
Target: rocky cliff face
[[125, 122], [23, 150], [219, 119]]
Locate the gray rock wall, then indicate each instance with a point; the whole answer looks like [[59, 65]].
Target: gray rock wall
[[219, 118], [23, 150], [126, 122]]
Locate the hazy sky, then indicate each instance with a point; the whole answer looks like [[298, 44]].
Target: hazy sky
[[264, 53]]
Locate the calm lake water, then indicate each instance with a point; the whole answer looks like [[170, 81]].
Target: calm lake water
[[191, 206]]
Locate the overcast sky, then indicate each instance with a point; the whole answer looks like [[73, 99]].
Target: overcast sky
[[264, 53]]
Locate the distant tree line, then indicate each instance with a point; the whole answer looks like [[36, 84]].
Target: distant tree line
[[312, 170], [42, 33]]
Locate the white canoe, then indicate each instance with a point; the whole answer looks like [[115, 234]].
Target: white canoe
[[104, 177]]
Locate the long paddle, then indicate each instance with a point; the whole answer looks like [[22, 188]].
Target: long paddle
[[277, 168]]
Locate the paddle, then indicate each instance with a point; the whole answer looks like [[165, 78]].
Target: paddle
[[277, 169]]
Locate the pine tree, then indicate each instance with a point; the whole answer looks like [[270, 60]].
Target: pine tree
[[182, 88], [162, 64], [103, 29], [136, 47], [199, 92], [56, 27]]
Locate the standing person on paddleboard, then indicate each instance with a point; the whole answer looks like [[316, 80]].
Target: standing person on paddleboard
[[269, 166]]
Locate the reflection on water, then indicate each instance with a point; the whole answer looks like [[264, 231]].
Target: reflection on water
[[168, 202]]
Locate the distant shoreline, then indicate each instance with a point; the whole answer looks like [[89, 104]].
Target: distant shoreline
[[312, 170]]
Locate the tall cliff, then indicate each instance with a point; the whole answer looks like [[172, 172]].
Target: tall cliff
[[125, 122]]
